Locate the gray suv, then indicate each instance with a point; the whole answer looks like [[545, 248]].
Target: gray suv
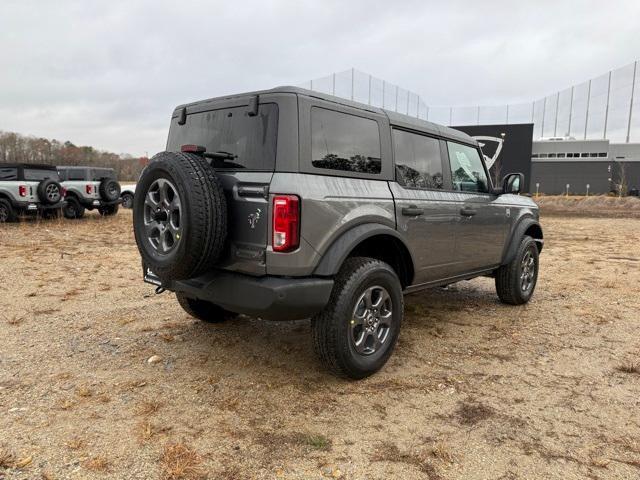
[[90, 188], [29, 189], [289, 204]]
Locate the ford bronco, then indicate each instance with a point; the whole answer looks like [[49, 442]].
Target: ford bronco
[[290, 204], [29, 189], [90, 188]]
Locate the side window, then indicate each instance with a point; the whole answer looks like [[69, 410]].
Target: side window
[[418, 161], [344, 142], [76, 174], [467, 170], [8, 174]]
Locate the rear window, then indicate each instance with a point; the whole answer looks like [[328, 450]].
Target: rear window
[[344, 142], [231, 130], [36, 174], [8, 174]]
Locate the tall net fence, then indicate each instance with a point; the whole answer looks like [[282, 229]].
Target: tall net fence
[[602, 107]]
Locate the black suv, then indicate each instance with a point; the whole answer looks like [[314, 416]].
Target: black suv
[[289, 204]]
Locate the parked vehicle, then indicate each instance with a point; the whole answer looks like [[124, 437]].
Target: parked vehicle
[[90, 188], [29, 189], [289, 204], [127, 193]]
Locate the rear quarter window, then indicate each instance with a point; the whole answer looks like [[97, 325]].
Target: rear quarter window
[[33, 174], [7, 174], [344, 142]]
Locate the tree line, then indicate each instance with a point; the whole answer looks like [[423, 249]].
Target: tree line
[[17, 148]]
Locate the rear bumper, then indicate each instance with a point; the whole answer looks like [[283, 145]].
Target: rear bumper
[[33, 207], [272, 298], [91, 203]]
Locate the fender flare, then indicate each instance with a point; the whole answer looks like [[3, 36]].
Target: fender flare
[[335, 255], [511, 247]]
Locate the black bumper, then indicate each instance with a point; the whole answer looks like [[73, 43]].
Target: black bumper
[[33, 207], [89, 205], [272, 298]]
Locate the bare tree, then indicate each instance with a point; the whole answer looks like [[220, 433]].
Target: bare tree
[[621, 183]]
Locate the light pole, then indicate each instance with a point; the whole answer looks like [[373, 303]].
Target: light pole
[[537, 189], [568, 189], [588, 189]]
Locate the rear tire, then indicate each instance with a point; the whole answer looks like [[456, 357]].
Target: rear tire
[[350, 339], [109, 189], [6, 211], [203, 310], [73, 209], [516, 281], [127, 200], [108, 210]]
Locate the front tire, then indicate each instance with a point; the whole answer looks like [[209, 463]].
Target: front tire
[[356, 333], [127, 200], [516, 281], [203, 310]]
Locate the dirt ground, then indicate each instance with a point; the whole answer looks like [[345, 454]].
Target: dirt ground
[[475, 389]]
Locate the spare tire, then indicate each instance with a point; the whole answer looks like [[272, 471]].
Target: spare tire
[[109, 189], [49, 192], [179, 216]]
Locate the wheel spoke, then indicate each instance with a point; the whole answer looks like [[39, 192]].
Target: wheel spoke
[[361, 342], [150, 201], [367, 298]]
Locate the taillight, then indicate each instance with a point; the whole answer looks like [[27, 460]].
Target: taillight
[[64, 192], [88, 188], [22, 189], [286, 223]]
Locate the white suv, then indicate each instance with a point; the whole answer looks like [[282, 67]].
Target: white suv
[[29, 188], [90, 188]]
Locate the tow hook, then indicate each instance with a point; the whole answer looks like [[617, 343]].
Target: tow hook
[[160, 289]]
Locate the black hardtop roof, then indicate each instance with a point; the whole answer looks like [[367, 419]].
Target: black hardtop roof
[[39, 166], [395, 118]]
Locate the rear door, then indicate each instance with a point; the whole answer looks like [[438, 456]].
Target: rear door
[[425, 212], [227, 126], [483, 221]]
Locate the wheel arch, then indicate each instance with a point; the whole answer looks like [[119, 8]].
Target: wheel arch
[[369, 240], [525, 226]]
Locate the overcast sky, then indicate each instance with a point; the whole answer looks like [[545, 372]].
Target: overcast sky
[[108, 74]]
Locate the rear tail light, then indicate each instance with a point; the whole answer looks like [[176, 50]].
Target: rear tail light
[[63, 192], [88, 188], [193, 148], [22, 189], [286, 223]]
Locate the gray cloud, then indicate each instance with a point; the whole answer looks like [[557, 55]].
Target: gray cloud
[[109, 73]]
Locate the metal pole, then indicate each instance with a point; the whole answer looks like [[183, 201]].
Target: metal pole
[[396, 109], [450, 115], [544, 112], [586, 116], [311, 85], [369, 89], [606, 110], [418, 108], [555, 126], [408, 95], [633, 87], [478, 116], [427, 119], [533, 110], [353, 74], [334, 85], [570, 112], [507, 122], [383, 85]]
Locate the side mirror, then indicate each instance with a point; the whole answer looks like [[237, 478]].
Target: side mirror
[[513, 183]]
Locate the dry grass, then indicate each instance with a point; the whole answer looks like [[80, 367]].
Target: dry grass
[[443, 452], [316, 441], [84, 391], [471, 413], [594, 205], [630, 367], [7, 458], [99, 463], [180, 462], [389, 452], [148, 407], [15, 320], [76, 443]]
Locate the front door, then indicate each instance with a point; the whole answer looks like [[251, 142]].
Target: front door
[[426, 214], [483, 221]]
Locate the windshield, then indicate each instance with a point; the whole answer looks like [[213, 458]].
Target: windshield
[[251, 141], [37, 174]]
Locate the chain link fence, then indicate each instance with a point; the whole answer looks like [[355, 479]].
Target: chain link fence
[[600, 108]]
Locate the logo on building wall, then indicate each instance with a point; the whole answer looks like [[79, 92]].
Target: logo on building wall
[[491, 148]]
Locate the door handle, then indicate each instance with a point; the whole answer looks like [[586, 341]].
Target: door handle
[[412, 211], [467, 212]]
